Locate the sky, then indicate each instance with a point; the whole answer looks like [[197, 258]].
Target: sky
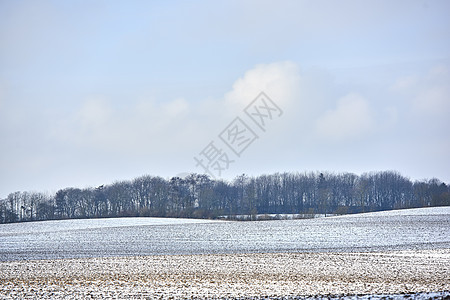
[[93, 92]]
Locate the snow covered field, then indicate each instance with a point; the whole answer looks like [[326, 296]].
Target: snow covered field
[[425, 228], [228, 276], [393, 252]]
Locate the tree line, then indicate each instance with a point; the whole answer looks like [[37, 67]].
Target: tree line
[[199, 196]]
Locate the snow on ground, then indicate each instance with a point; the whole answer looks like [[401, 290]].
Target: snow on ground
[[423, 211], [381, 231], [271, 217], [81, 224], [393, 254], [230, 276]]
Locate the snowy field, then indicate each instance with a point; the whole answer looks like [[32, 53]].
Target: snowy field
[[382, 255], [423, 274], [413, 229]]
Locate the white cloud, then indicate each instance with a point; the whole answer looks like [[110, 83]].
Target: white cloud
[[433, 97], [301, 95], [177, 130], [433, 101], [280, 81], [351, 118], [176, 108], [439, 71], [138, 128], [425, 96], [94, 113], [405, 83]]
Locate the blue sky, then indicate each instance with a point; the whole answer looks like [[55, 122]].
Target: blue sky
[[97, 91]]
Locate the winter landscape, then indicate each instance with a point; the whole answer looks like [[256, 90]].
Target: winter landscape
[[390, 254], [238, 149]]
